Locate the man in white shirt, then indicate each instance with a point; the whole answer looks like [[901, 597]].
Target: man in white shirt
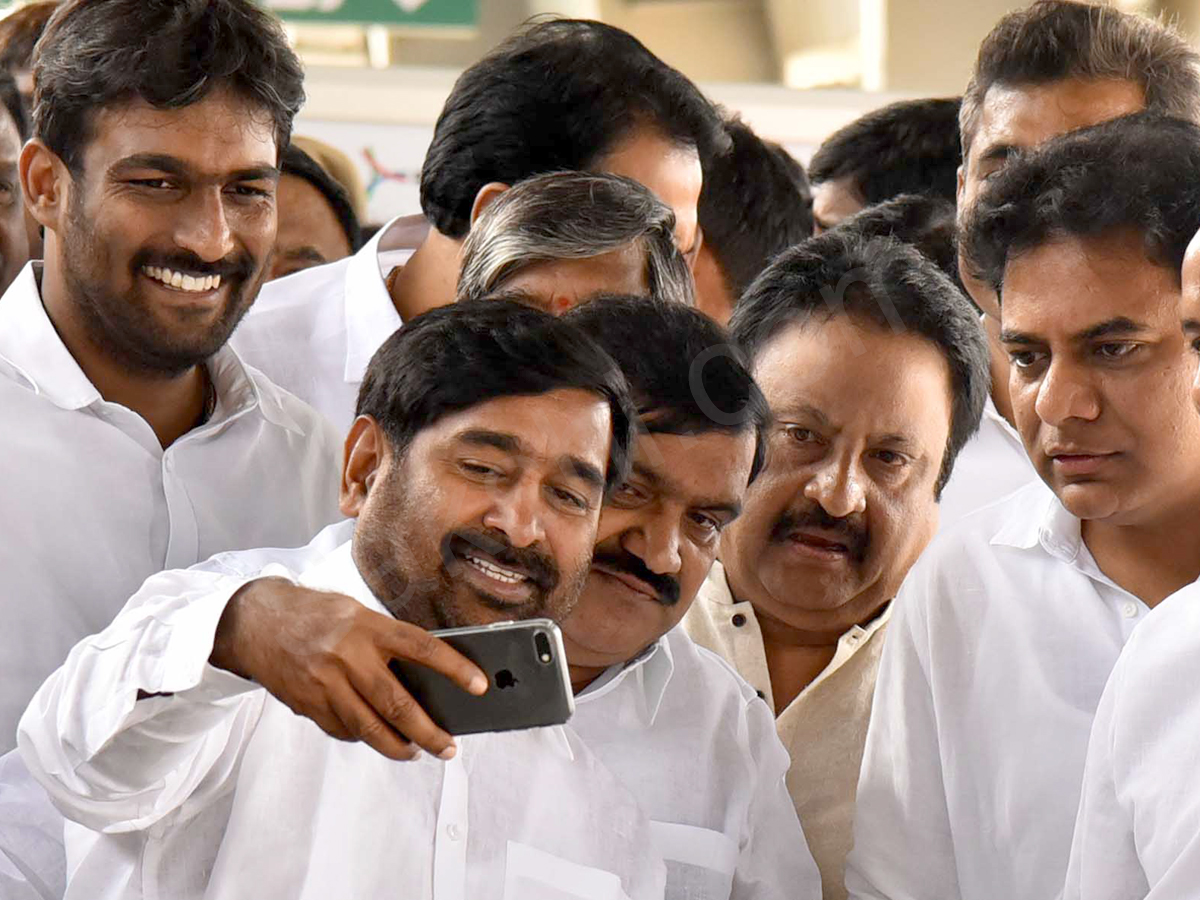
[[873, 394], [134, 439], [475, 473], [1135, 834], [1044, 70], [1005, 633], [558, 95]]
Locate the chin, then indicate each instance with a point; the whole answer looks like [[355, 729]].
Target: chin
[[1090, 500]]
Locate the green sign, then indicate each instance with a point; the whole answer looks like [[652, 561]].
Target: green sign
[[378, 12]]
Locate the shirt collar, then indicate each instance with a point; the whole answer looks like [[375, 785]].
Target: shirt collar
[[1041, 520], [30, 343], [371, 315], [652, 669], [715, 588]]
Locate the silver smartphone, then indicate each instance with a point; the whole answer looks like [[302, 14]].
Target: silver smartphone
[[528, 682]]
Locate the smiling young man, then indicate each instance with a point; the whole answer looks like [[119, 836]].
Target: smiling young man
[[874, 392], [1044, 70], [487, 438], [1006, 630], [558, 95], [133, 436]]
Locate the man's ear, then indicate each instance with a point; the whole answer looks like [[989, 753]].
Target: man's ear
[[958, 187], [365, 456], [484, 198], [45, 183]]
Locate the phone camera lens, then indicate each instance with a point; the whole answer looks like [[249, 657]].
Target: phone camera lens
[[541, 643]]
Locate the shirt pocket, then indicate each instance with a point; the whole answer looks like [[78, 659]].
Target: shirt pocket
[[700, 861], [532, 874]]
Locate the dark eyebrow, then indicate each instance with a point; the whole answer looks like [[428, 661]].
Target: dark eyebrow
[[584, 470], [1190, 325], [1018, 337], [306, 254], [999, 152], [164, 162], [1119, 325], [657, 481], [479, 437]]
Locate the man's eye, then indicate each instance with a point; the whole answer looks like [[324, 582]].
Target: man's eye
[[246, 190], [800, 435], [1116, 350], [891, 458], [628, 495], [1024, 359], [707, 522], [570, 498], [1196, 345], [153, 183], [479, 469]]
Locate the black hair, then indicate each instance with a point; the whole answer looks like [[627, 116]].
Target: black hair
[[168, 53], [558, 94], [927, 222], [685, 374], [295, 161], [1139, 172], [886, 284], [11, 98], [458, 356], [755, 204], [910, 147], [1053, 40]]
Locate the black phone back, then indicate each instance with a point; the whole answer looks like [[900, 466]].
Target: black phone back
[[528, 683]]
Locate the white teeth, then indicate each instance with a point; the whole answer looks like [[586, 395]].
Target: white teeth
[[192, 283], [508, 576]]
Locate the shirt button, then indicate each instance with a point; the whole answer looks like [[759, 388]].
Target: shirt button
[[1129, 610], [761, 695], [738, 620], [453, 832]]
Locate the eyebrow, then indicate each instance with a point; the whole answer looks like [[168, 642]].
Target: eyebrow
[[164, 162], [306, 253], [812, 412], [897, 441], [999, 152], [733, 508], [1115, 326], [1190, 325], [508, 443]]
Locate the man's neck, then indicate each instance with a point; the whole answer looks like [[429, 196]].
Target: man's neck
[[429, 278], [583, 676], [998, 365], [1151, 561], [170, 405]]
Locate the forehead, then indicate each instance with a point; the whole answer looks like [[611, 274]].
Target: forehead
[[1191, 276], [708, 467], [1026, 115], [222, 132], [566, 422], [1067, 285], [669, 170], [620, 271], [305, 216], [860, 377], [10, 138]]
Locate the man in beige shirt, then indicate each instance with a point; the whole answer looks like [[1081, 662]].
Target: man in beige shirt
[[874, 392]]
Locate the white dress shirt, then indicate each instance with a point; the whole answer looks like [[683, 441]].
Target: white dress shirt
[[698, 748], [823, 728], [1001, 641], [219, 791], [314, 331], [95, 504], [990, 466], [1138, 829]]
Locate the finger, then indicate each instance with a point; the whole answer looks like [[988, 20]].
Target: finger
[[380, 688], [404, 641], [362, 723]]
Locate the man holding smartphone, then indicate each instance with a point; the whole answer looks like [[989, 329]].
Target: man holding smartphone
[[488, 435]]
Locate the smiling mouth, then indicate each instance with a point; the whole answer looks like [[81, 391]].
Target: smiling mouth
[[494, 570], [181, 281]]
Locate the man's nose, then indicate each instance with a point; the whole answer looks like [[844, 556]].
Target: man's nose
[[518, 513], [1064, 393], [837, 487], [204, 227]]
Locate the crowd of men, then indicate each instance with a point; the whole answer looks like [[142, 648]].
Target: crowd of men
[[849, 489]]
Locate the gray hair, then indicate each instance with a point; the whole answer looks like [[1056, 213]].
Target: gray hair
[[1053, 40], [573, 215]]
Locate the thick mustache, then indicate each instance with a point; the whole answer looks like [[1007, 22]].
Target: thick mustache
[[665, 587], [853, 534], [238, 266], [538, 567]]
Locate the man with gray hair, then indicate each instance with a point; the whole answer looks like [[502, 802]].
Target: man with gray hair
[[562, 238]]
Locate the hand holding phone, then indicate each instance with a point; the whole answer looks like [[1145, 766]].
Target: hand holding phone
[[528, 682]]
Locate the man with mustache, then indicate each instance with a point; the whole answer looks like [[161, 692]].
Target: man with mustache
[[488, 435], [874, 390], [1006, 631], [134, 439]]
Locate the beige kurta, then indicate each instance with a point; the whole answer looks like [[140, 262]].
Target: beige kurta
[[824, 728]]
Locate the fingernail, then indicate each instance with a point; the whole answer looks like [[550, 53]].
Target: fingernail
[[479, 684], [448, 753]]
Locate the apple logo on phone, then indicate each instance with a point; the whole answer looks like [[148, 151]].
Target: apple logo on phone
[[505, 679]]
